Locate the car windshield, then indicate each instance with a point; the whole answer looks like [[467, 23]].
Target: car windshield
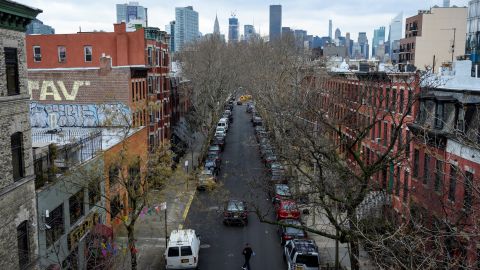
[[235, 206], [276, 166], [308, 260], [282, 190], [289, 206], [210, 163], [207, 172], [220, 129], [214, 148]]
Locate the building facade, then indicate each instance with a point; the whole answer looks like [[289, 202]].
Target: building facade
[[37, 27], [275, 27], [378, 39], [248, 32], [132, 12], [433, 37], [395, 33], [233, 30], [473, 36], [82, 78], [19, 245], [186, 26], [363, 43]]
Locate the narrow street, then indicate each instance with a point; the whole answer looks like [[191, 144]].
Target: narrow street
[[241, 177]]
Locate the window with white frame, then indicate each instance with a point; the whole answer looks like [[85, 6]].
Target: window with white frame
[[62, 54], [37, 54], [87, 52]]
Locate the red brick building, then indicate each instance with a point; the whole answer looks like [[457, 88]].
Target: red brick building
[[71, 75]]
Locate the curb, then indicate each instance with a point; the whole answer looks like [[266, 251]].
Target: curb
[[187, 209]]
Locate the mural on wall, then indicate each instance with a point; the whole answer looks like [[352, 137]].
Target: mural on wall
[[77, 115], [50, 89]]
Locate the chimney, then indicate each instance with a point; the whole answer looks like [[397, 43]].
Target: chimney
[[120, 27], [105, 64]]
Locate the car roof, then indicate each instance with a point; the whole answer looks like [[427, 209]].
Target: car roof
[[291, 222], [181, 237], [305, 246]]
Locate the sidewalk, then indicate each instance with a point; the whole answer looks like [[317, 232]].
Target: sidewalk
[[150, 229]]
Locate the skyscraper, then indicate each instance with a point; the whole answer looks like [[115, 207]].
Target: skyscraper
[[378, 38], [347, 44], [363, 43], [37, 27], [216, 26], [330, 28], [132, 12], [186, 26], [275, 22], [171, 32], [473, 34], [248, 32], [395, 34], [232, 30], [338, 33]]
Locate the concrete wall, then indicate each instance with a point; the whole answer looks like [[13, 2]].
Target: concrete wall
[[17, 199], [435, 41]]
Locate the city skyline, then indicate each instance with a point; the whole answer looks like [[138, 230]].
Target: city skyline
[[68, 16]]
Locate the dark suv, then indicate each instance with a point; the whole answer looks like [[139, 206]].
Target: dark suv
[[301, 254], [235, 212], [289, 233]]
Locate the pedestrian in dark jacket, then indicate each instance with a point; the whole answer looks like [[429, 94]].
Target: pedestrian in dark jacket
[[247, 253]]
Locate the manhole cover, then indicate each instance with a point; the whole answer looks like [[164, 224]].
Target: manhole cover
[[205, 246]]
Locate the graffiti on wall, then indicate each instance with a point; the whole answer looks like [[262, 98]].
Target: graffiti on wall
[[51, 89], [79, 115]]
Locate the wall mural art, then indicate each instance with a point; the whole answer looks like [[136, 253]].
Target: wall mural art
[[79, 115]]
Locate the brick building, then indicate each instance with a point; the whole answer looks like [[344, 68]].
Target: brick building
[[18, 233], [72, 74]]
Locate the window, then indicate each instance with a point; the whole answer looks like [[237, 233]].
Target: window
[[157, 57], [87, 50], [115, 206], [37, 54], [55, 224], [384, 178], [113, 174], [400, 93], [76, 207], [468, 186], [94, 192], [438, 175], [407, 144], [149, 56], [405, 185], [453, 183], [409, 102], [22, 244], [439, 116], [150, 84], [392, 133], [426, 169], [173, 252], [397, 184], [151, 143], [416, 157], [62, 54], [17, 155], [11, 71], [387, 100], [186, 251], [385, 133], [394, 100]]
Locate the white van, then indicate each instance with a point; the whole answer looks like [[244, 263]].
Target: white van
[[182, 250], [223, 122]]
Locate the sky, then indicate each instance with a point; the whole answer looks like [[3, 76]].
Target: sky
[[353, 16]]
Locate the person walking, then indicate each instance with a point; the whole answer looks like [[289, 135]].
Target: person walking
[[247, 254]]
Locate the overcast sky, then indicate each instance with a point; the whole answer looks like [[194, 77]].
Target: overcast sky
[[353, 16]]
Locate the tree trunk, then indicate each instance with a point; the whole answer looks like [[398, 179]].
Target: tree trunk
[[131, 246], [354, 255]]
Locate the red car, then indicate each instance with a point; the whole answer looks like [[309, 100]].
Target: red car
[[287, 209]]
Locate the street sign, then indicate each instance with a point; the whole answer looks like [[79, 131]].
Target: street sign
[[186, 163]]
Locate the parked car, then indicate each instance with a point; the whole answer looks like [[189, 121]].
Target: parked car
[[212, 165], [280, 192], [265, 152], [260, 135], [287, 209], [257, 121], [301, 254], [223, 122], [266, 148], [239, 102], [235, 212], [214, 156], [221, 131], [182, 250], [278, 178], [274, 167], [289, 233], [206, 180], [250, 107], [269, 158], [220, 141], [214, 148]]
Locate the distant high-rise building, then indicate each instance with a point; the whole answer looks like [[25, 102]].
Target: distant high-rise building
[[287, 31], [171, 32], [347, 44], [233, 30], [330, 28], [338, 33], [37, 27], [446, 3], [378, 38], [473, 34], [275, 22], [216, 26], [248, 32], [300, 37], [132, 12], [395, 34], [363, 43], [186, 26]]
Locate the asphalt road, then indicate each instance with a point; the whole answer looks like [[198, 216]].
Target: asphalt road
[[241, 177]]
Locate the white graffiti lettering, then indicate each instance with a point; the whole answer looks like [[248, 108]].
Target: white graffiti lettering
[[49, 89]]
